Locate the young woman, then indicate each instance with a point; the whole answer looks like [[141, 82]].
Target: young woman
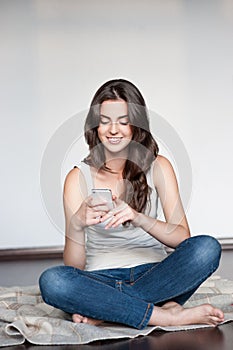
[[116, 268]]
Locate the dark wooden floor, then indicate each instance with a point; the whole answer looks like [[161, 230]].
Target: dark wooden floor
[[220, 338]]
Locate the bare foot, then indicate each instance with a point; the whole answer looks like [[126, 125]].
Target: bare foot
[[83, 319], [173, 314]]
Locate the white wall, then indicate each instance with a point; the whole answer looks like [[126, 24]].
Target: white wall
[[55, 54]]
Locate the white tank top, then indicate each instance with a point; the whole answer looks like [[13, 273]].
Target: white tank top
[[122, 246]]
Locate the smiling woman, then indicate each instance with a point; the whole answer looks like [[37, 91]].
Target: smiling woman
[[117, 269], [112, 102], [114, 128]]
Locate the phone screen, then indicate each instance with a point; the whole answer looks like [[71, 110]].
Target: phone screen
[[103, 194]]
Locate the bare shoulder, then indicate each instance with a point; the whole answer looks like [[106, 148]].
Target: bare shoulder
[[75, 185], [163, 170], [72, 177], [75, 190], [161, 163]]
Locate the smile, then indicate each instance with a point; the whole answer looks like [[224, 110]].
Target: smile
[[114, 140]]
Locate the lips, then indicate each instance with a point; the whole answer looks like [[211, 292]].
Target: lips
[[114, 140]]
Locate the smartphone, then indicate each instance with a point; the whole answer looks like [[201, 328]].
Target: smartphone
[[103, 194]]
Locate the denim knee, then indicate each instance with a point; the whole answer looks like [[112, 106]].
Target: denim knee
[[206, 250], [53, 284]]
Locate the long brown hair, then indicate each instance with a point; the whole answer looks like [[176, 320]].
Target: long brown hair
[[142, 149]]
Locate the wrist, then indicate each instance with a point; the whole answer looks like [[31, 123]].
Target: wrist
[[76, 222], [137, 221], [145, 222]]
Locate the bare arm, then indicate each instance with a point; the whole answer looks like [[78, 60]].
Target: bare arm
[[80, 211], [74, 252], [175, 229]]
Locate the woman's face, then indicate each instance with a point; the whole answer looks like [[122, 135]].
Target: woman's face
[[114, 130]]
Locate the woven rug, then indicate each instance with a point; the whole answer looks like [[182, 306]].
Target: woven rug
[[24, 316]]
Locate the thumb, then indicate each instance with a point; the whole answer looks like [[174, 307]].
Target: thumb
[[117, 201], [114, 197]]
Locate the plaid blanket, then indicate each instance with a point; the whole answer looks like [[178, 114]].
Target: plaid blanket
[[23, 315]]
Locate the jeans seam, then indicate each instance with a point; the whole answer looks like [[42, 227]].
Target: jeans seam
[[185, 242], [185, 291], [108, 282], [145, 315], [144, 274]]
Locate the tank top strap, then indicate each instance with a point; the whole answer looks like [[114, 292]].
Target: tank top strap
[[150, 176], [86, 171]]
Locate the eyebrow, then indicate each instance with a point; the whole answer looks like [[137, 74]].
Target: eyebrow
[[122, 116]]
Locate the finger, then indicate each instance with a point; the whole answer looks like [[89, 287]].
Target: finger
[[107, 215], [89, 200], [119, 210], [117, 201], [94, 217], [117, 220], [110, 223], [93, 221], [120, 215], [103, 207], [123, 210], [95, 214], [120, 221], [95, 202]]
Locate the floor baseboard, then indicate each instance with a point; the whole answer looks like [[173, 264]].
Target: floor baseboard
[[31, 253], [56, 252]]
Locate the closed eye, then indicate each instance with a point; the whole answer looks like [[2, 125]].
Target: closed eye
[[105, 121], [123, 120]]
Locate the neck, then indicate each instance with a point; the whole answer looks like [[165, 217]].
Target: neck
[[116, 163]]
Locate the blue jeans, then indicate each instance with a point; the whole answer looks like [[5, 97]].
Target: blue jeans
[[128, 295]]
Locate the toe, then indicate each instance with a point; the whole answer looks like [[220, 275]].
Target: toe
[[77, 318], [219, 314]]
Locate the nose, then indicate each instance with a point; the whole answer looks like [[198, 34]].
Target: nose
[[113, 128]]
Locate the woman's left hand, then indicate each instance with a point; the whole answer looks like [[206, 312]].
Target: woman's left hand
[[121, 213]]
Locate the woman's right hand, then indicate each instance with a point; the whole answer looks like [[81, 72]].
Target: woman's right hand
[[90, 212]]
